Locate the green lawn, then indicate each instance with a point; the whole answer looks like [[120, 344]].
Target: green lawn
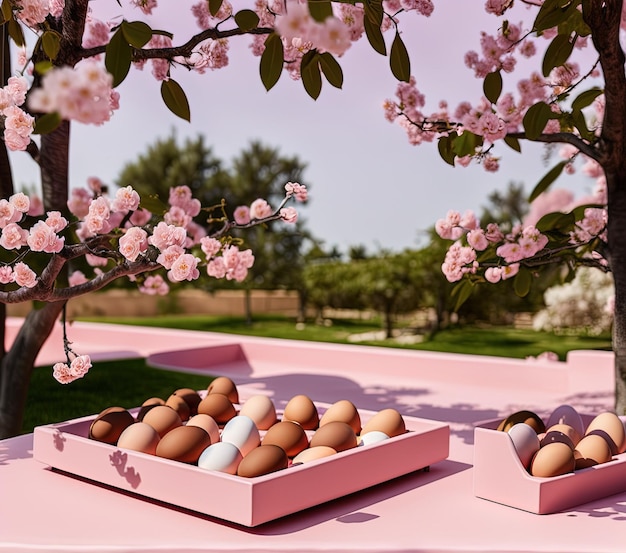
[[128, 383]]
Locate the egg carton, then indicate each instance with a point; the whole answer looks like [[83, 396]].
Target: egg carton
[[249, 502], [500, 476]]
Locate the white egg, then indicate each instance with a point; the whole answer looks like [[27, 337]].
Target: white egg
[[525, 441], [566, 414], [242, 432], [222, 457], [372, 437]]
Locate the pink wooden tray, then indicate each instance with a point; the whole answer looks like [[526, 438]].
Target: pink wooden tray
[[500, 476], [246, 501]]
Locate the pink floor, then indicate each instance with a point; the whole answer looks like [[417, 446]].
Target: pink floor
[[435, 511]]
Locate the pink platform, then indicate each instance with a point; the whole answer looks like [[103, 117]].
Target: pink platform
[[45, 510]]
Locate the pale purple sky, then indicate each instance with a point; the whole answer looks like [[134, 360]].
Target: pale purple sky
[[368, 185]]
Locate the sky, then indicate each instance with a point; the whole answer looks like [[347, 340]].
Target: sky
[[368, 186]]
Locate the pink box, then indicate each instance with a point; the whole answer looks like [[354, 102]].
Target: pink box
[[500, 476], [246, 501]]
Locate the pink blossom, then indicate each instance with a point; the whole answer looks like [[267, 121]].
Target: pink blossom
[[295, 22], [13, 237], [23, 275], [165, 235], [76, 278], [493, 274], [298, 191], [133, 243], [146, 6], [80, 365], [43, 238], [100, 207], [140, 217], [95, 260], [36, 206], [169, 255], [459, 260], [493, 233], [491, 163], [61, 373], [476, 239], [180, 195], [154, 285], [510, 252], [33, 12], [289, 214], [56, 7], [332, 36], [16, 89], [260, 209], [79, 201], [6, 274], [126, 199], [216, 268], [509, 271], [210, 246], [8, 213], [56, 221], [177, 216], [97, 33], [184, 268], [18, 127], [242, 215]]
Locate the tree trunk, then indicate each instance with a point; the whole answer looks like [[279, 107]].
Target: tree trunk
[[17, 366]]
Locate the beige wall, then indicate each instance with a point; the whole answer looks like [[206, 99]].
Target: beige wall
[[130, 303]]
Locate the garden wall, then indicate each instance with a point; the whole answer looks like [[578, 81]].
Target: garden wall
[[130, 303]]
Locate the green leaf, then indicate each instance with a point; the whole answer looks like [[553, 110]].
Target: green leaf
[[374, 36], [492, 86], [136, 33], [118, 57], [246, 19], [547, 180], [562, 222], [15, 32], [311, 75], [42, 67], [374, 11], [175, 99], [47, 123], [578, 213], [7, 10], [536, 119], [465, 144], [581, 124], [51, 43], [557, 53], [523, 281], [272, 60], [320, 9], [513, 143], [586, 98], [445, 149], [214, 6], [331, 69], [554, 13], [153, 204], [399, 60], [463, 290]]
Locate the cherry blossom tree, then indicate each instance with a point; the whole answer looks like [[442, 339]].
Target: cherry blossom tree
[[574, 97], [68, 62]]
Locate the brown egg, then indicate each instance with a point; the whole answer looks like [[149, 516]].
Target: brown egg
[[180, 406], [147, 405], [139, 436], [261, 410], [207, 423], [553, 459], [184, 444], [288, 435], [163, 419], [560, 433], [109, 425], [263, 460], [191, 397], [336, 434], [344, 411], [610, 427], [592, 450], [218, 406], [302, 410], [224, 385], [312, 454], [387, 421], [530, 418]]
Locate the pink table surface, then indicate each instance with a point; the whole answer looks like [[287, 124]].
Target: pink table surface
[[43, 510]]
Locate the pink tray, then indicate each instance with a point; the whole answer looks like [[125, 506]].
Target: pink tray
[[500, 476], [245, 501]]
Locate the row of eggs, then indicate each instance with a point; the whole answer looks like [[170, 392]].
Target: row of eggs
[[564, 443], [216, 432]]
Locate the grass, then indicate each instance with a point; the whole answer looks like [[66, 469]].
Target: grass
[[128, 383]]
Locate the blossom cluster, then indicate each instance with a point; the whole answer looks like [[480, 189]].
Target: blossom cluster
[[508, 249], [77, 368]]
